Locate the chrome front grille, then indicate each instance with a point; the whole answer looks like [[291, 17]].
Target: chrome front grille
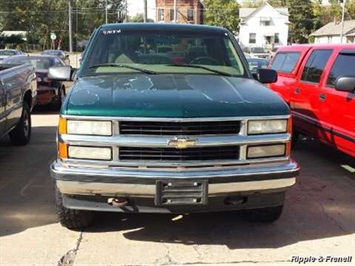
[[176, 143], [179, 155], [179, 128]]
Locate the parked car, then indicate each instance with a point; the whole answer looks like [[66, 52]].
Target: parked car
[[50, 92], [5, 53], [18, 91], [257, 63], [61, 54], [154, 136], [318, 83], [258, 52]]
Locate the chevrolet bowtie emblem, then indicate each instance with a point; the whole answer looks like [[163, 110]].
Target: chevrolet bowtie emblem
[[182, 143]]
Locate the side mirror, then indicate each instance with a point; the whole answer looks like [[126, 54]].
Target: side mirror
[[61, 73], [266, 75], [345, 84]]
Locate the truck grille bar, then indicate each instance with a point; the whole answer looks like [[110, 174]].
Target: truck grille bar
[[179, 155], [179, 128]]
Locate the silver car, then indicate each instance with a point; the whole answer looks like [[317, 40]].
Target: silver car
[[5, 53]]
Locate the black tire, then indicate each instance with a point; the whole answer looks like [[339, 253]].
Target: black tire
[[265, 215], [21, 134], [70, 218], [60, 98], [295, 138]]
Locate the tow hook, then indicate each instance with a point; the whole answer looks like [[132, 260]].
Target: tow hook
[[117, 202]]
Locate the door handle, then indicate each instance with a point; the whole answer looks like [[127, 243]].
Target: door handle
[[322, 97], [297, 91]]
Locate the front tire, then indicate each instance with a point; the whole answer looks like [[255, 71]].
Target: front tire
[[295, 138], [60, 98], [21, 134], [265, 215], [70, 218]]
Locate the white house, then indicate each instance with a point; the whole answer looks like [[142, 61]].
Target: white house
[[264, 26], [331, 32], [8, 33]]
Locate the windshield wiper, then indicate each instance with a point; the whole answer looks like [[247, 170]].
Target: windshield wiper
[[125, 66], [202, 67]]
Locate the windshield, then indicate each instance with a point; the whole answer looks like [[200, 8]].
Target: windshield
[[39, 63], [162, 52], [7, 52], [52, 52], [257, 50]]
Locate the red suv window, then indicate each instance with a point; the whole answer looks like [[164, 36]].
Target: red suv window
[[314, 67], [285, 61], [344, 66]]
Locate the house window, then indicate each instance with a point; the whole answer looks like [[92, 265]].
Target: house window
[[171, 14], [190, 15], [265, 21], [252, 37], [161, 14], [277, 38]]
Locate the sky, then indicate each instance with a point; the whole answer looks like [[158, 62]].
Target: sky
[[137, 6]]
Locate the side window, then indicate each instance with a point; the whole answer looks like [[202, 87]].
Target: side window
[[285, 62], [344, 65], [315, 64]]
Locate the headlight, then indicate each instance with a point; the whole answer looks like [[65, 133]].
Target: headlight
[[267, 126], [266, 151], [90, 153], [101, 128]]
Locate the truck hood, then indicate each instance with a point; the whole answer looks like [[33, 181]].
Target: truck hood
[[171, 95]]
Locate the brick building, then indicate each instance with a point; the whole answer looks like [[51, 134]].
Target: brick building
[[188, 11]]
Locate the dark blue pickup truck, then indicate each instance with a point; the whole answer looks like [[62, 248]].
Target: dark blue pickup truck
[[18, 94]]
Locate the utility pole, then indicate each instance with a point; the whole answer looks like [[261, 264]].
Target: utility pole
[[342, 22], [70, 28], [126, 12], [105, 11], [175, 11], [145, 11]]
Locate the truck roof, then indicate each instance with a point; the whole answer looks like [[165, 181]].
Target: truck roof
[[303, 47], [161, 26]]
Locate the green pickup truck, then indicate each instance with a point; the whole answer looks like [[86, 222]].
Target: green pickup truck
[[187, 129]]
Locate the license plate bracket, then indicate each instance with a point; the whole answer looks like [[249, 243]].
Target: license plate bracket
[[181, 192]]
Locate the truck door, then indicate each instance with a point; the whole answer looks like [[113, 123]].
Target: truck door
[[339, 125], [306, 97], [2, 108]]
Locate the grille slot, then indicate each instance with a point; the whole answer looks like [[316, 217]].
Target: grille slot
[[179, 155], [179, 128]]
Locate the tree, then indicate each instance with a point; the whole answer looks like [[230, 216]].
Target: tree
[[350, 9], [39, 18], [224, 13], [139, 18], [301, 20]]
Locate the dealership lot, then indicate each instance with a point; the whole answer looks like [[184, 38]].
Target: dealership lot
[[318, 220]]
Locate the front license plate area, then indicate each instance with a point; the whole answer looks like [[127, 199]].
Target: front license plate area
[[181, 192]]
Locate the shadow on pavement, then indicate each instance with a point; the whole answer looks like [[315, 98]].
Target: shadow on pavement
[[319, 206], [26, 189]]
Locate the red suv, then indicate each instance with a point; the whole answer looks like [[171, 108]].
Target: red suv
[[318, 83]]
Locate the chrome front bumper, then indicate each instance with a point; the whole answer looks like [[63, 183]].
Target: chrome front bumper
[[142, 183]]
